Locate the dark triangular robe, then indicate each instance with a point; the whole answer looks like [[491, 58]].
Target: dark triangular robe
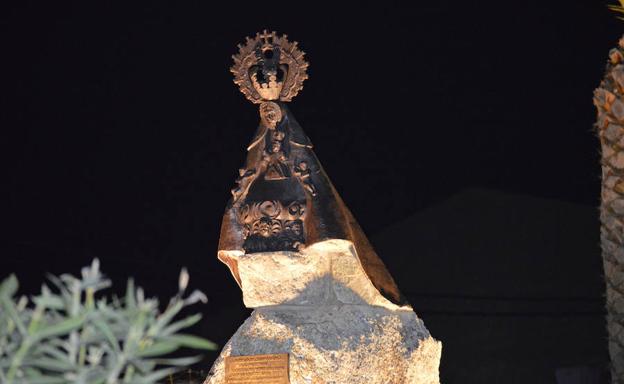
[[326, 215]]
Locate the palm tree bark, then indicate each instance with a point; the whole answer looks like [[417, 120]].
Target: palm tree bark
[[609, 100]]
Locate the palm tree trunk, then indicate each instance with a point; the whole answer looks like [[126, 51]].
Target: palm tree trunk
[[609, 100]]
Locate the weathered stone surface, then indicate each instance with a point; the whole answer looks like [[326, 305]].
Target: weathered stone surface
[[340, 344], [319, 306], [326, 272]]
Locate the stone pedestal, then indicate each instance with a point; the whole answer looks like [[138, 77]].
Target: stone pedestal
[[346, 344], [318, 306]]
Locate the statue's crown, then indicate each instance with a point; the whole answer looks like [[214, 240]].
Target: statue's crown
[[269, 67]]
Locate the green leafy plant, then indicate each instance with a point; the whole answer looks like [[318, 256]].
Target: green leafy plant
[[71, 335]]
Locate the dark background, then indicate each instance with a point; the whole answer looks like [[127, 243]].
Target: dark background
[[124, 133]]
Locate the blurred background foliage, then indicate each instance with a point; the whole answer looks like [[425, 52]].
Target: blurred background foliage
[[70, 334]]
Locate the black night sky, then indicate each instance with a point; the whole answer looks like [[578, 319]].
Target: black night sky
[[124, 133]]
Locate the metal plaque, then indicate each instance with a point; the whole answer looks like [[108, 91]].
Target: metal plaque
[[257, 369]]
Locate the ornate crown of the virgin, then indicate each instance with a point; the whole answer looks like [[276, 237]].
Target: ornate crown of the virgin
[[269, 67]]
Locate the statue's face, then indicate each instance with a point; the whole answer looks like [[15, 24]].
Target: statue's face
[[296, 228], [270, 113], [265, 229], [276, 146]]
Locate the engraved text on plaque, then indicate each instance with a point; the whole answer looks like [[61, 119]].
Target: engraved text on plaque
[[257, 369]]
